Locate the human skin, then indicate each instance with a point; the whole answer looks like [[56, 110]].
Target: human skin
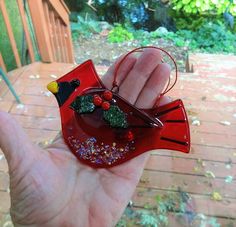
[[50, 187]]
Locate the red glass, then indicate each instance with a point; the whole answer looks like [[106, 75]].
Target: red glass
[[95, 143]]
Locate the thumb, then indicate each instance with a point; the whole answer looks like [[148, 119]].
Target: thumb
[[14, 142]]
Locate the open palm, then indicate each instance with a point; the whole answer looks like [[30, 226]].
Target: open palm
[[50, 187]]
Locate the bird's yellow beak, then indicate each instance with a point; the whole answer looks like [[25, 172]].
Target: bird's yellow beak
[[53, 87]]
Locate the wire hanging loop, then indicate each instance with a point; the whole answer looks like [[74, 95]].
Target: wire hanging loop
[[115, 85]]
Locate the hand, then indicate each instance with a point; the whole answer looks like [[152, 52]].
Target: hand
[[50, 187]]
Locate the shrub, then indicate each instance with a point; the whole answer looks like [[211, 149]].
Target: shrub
[[210, 37], [192, 14], [85, 27], [204, 7], [119, 34], [214, 37]]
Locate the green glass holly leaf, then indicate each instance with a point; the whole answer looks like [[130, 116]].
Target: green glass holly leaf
[[115, 117], [83, 104]]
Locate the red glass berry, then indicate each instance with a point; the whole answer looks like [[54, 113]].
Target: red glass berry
[[129, 136], [106, 105], [97, 100], [107, 95]]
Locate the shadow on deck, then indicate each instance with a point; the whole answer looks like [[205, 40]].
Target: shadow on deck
[[207, 174]]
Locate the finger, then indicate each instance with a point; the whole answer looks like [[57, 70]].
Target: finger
[[122, 72], [154, 86], [165, 100], [14, 142], [140, 73]]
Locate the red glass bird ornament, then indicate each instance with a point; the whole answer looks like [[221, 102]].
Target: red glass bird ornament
[[102, 129]]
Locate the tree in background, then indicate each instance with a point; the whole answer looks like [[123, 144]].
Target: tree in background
[[151, 14]]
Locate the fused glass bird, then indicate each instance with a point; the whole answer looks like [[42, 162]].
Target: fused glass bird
[[103, 130]]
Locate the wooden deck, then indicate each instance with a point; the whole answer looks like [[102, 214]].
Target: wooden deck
[[206, 176]]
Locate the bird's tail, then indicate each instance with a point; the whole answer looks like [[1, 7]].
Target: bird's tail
[[175, 134]]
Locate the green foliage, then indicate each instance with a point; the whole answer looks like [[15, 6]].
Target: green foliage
[[211, 37], [85, 27], [178, 203], [191, 23], [204, 7], [119, 34], [142, 36], [192, 14], [147, 218], [121, 223], [17, 27]]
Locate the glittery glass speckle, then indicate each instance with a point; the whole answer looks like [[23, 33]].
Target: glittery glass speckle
[[99, 153]]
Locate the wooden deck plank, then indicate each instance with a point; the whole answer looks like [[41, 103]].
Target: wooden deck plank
[[209, 94], [33, 122], [33, 82], [37, 90], [202, 153], [214, 140], [199, 185], [189, 219], [39, 100], [209, 106], [56, 67], [190, 166], [13, 76], [5, 105], [215, 128], [203, 204], [37, 111], [204, 93], [211, 116]]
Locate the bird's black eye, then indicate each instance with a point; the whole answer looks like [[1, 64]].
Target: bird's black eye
[[75, 83]]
